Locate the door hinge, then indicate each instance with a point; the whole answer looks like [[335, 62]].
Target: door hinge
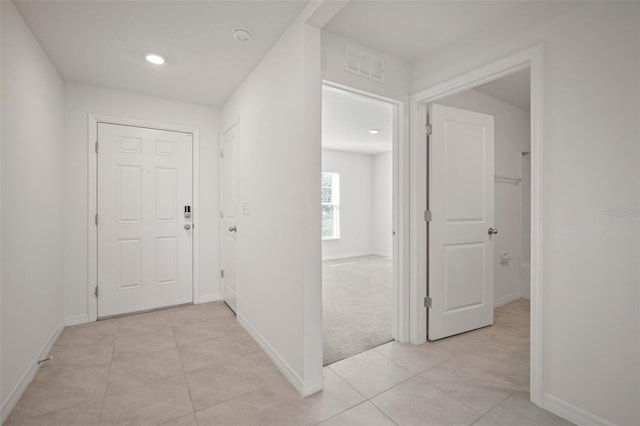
[[222, 153], [428, 302], [96, 219], [96, 147], [221, 273], [427, 216], [96, 292], [221, 213], [428, 130]]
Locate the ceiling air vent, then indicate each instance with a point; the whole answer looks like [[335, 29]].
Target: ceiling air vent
[[363, 63]]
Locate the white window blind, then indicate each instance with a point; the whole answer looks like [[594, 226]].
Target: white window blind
[[330, 206]]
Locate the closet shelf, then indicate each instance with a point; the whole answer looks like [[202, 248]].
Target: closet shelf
[[507, 179]]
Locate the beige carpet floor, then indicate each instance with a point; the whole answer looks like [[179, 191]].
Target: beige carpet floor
[[357, 305]]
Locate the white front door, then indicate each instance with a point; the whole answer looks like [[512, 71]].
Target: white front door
[[229, 167], [461, 204], [145, 250]]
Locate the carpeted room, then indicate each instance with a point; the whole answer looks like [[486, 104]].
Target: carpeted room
[[357, 218]]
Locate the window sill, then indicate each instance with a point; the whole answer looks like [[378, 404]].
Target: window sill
[[330, 238]]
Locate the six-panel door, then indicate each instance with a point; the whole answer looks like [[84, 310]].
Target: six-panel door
[[145, 251]]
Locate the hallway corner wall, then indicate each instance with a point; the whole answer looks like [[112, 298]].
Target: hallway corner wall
[[32, 205]]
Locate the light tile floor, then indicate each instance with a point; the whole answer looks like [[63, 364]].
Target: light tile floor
[[195, 365]]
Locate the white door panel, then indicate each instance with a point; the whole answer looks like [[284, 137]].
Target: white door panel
[[144, 251], [229, 161], [461, 205]]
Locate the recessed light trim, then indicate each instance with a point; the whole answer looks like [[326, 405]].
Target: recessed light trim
[[374, 131], [155, 58], [241, 34]]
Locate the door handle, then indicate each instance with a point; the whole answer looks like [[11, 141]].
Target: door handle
[[232, 229], [187, 226], [493, 231]]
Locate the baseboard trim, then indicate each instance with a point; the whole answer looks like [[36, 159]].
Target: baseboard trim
[[506, 299], [572, 413], [28, 375], [381, 254], [76, 320], [312, 386], [205, 298], [346, 255], [304, 388]]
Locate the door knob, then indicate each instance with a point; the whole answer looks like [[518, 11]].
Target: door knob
[[493, 231], [232, 229], [187, 226]]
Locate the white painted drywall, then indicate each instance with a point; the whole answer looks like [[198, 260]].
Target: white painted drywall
[[32, 203], [279, 248], [591, 165], [365, 204], [81, 100], [356, 202], [512, 135], [397, 73], [382, 240], [397, 87]]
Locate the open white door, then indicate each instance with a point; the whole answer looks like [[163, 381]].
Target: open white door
[[145, 244], [229, 167], [460, 287]]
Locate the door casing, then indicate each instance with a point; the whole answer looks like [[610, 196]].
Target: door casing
[[400, 319], [532, 59], [92, 177]]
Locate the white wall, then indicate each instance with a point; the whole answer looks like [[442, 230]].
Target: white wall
[[397, 73], [397, 87], [591, 164], [382, 240], [366, 204], [356, 201], [511, 129], [32, 204], [81, 100], [279, 249]]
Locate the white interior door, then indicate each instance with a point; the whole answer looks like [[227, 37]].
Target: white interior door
[[461, 205], [229, 167], [145, 250]]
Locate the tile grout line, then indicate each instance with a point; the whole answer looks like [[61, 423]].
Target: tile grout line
[[421, 371], [106, 385], [383, 413], [184, 375]]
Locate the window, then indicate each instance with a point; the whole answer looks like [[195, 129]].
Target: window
[[330, 206]]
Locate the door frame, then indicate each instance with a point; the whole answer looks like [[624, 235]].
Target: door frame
[[92, 176], [400, 214], [532, 59], [225, 129]]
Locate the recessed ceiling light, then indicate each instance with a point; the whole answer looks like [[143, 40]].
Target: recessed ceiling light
[[155, 59], [374, 131], [241, 34]]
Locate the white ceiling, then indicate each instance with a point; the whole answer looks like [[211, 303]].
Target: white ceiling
[[103, 43], [513, 89], [347, 119], [409, 30]]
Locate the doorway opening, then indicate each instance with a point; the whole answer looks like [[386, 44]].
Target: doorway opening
[[479, 200], [358, 231], [531, 61], [479, 238], [143, 217]]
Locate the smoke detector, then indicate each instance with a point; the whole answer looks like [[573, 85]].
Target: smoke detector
[[241, 34]]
